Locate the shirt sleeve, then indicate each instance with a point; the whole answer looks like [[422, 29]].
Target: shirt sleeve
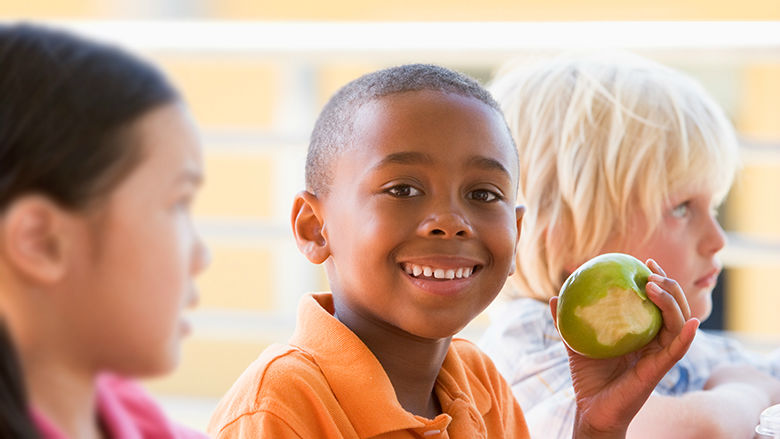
[[708, 351], [523, 343]]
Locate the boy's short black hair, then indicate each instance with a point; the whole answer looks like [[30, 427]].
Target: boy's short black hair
[[333, 129]]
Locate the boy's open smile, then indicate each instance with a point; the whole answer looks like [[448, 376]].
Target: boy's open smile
[[428, 272], [443, 275], [419, 225]]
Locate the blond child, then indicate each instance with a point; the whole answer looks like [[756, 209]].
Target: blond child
[[99, 161], [411, 180], [618, 153]]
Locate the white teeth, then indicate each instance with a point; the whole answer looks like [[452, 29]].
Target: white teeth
[[437, 273]]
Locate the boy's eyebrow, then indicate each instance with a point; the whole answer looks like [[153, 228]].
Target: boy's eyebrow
[[410, 158], [405, 158], [489, 164]]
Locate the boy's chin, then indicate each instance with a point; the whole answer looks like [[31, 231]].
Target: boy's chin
[[433, 332]]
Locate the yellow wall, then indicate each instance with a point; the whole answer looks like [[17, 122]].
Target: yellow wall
[[498, 10], [753, 207]]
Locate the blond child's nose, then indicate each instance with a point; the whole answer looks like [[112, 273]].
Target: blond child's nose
[[714, 237]]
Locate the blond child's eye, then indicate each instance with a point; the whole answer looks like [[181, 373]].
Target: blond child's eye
[[404, 191], [483, 195], [681, 210]]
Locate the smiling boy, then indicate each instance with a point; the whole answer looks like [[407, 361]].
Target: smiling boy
[[410, 204]]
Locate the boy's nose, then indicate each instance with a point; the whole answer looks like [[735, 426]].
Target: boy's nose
[[446, 225]]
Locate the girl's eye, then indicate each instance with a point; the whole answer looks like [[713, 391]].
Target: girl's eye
[[484, 195], [404, 191], [681, 210], [184, 202]]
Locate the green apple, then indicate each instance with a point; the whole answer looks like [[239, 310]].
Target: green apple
[[603, 309]]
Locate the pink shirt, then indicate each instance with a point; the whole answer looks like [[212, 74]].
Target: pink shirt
[[127, 412]]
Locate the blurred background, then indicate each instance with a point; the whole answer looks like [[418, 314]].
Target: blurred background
[[256, 72]]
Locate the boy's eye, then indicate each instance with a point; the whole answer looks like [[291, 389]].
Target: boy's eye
[[484, 195], [403, 191], [681, 210]]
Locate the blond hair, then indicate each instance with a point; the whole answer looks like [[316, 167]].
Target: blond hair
[[601, 137]]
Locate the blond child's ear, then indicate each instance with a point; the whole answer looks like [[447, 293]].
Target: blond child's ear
[[307, 225], [519, 212], [34, 237]]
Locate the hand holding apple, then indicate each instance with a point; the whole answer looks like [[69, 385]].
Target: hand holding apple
[[603, 309], [609, 392]]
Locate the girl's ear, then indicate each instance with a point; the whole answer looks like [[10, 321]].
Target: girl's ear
[[34, 237], [307, 225]]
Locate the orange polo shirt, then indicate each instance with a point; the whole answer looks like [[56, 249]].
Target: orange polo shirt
[[327, 384]]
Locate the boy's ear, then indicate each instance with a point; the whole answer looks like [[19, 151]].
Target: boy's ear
[[34, 235], [307, 225], [519, 212]]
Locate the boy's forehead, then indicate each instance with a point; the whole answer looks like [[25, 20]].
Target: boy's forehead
[[418, 117]]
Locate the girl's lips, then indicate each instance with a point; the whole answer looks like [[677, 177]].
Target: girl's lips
[[185, 327], [709, 280]]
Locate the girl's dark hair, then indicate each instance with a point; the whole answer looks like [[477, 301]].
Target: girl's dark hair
[[65, 104]]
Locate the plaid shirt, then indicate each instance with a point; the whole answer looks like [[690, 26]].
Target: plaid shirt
[[527, 350]]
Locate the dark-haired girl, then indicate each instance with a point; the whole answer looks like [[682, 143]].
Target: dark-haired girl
[[99, 162]]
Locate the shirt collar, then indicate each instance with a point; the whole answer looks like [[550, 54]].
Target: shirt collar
[[348, 365]]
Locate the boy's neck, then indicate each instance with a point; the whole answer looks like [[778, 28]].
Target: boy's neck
[[412, 363]]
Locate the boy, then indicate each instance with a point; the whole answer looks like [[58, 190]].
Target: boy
[[619, 153], [411, 180]]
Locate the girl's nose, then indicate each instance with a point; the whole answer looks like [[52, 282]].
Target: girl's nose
[[202, 256]]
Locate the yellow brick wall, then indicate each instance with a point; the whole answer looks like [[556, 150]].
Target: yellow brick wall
[[238, 184], [753, 208], [238, 278], [226, 91]]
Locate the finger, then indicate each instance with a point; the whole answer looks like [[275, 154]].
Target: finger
[[654, 267], [680, 344], [653, 369], [554, 310], [672, 287], [670, 310]]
